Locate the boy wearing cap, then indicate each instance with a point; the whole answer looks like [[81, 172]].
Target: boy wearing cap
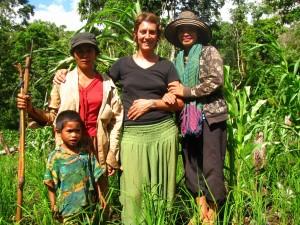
[[203, 119], [94, 96]]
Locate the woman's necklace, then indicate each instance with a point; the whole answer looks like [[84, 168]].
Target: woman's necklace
[[186, 59]]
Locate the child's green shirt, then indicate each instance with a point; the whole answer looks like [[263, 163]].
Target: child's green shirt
[[73, 177]]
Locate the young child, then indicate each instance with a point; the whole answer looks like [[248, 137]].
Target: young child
[[72, 172]]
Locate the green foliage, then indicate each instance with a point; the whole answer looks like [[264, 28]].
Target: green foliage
[[155, 208], [89, 10], [10, 10], [114, 27], [50, 46], [288, 10], [223, 39], [264, 107], [87, 7], [207, 10], [290, 40], [36, 210]]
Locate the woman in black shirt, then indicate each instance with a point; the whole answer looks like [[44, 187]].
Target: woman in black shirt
[[150, 138]]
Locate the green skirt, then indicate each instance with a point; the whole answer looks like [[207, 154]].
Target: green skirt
[[148, 160]]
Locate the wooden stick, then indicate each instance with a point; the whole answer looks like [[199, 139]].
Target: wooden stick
[[21, 165]]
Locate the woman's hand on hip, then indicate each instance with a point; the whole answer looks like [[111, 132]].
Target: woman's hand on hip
[[139, 107], [60, 76]]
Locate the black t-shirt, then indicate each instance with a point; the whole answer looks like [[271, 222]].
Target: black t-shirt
[[139, 83]]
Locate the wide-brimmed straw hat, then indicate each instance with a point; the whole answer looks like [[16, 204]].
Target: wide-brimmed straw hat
[[187, 18]]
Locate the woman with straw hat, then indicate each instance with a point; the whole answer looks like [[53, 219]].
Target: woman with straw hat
[[203, 119]]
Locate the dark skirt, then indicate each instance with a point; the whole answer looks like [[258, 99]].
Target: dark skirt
[[204, 162]]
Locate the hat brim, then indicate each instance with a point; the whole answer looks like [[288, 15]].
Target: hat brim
[[203, 30], [84, 42]]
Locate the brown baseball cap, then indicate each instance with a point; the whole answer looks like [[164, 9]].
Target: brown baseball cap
[[83, 38]]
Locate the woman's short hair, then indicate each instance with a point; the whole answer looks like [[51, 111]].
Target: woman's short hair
[[147, 17]]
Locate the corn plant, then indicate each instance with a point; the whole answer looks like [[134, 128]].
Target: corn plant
[[265, 103]]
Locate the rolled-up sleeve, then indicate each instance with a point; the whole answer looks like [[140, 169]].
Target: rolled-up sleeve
[[211, 74], [115, 130]]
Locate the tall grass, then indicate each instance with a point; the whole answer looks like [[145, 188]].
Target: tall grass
[[266, 195], [35, 203]]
